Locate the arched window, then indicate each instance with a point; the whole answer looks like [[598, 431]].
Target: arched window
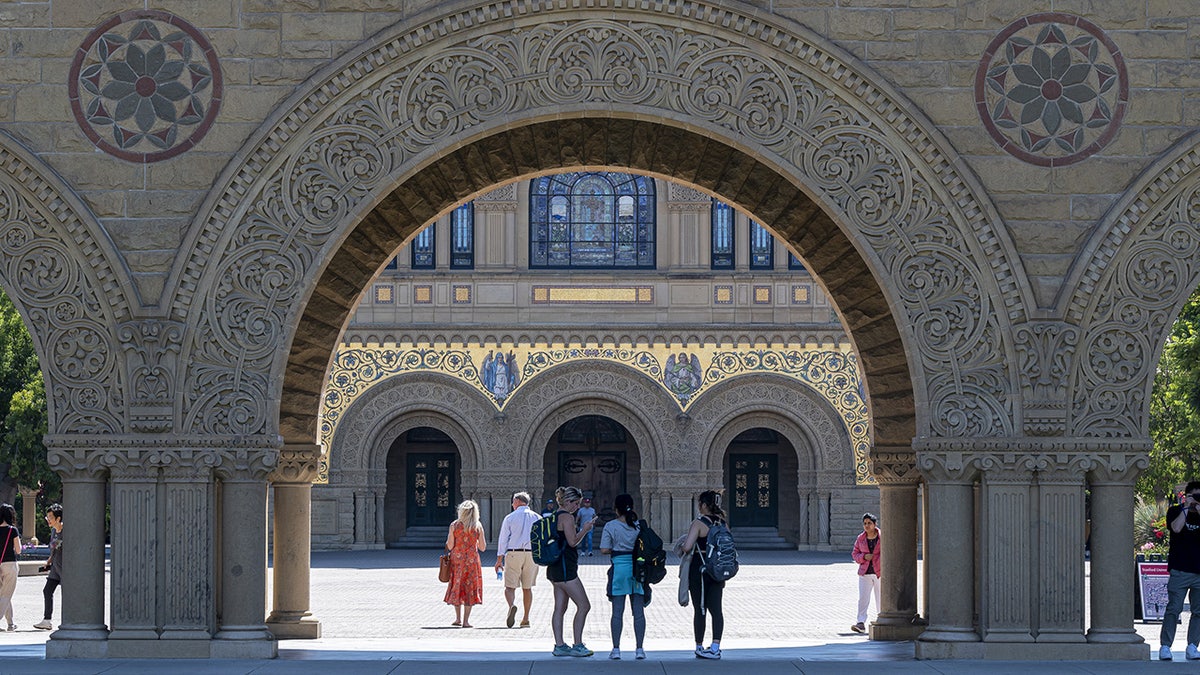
[[592, 220], [722, 235]]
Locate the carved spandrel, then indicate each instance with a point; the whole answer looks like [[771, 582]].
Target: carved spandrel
[[152, 364], [885, 185]]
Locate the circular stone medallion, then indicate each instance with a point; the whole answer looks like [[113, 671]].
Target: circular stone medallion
[[1051, 89], [145, 86]]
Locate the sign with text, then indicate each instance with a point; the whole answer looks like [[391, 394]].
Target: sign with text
[[1152, 589]]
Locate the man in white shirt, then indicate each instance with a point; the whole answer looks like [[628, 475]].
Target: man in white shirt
[[512, 553]]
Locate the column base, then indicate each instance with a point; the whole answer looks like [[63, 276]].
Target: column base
[[244, 649], [895, 633], [77, 644], [61, 648], [1114, 637], [304, 629], [1025, 651]]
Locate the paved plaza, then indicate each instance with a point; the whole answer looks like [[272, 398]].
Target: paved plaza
[[382, 612]]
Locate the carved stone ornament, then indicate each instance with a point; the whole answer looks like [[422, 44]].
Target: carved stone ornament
[[1147, 264], [152, 362], [59, 274], [1018, 460], [1046, 353], [894, 466], [83, 456], [758, 82]]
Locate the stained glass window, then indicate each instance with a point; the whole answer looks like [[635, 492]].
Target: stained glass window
[[794, 263], [762, 248], [592, 220], [423, 257], [462, 237], [722, 235]]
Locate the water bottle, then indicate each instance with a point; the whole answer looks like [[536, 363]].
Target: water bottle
[[500, 575]]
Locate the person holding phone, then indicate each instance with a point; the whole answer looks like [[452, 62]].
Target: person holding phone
[[1183, 561]]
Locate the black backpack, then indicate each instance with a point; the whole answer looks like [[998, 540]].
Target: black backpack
[[543, 540], [720, 560], [649, 558]]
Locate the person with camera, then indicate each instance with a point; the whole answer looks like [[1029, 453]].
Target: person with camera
[[1183, 561]]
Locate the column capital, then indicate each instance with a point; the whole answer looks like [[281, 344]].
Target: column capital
[[894, 465], [297, 463], [947, 467], [1117, 468]]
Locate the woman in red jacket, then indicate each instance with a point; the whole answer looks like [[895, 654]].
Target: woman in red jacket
[[866, 554]]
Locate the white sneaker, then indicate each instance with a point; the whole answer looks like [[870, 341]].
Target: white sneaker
[[640, 654], [1164, 653], [710, 653], [615, 654], [1192, 653], [44, 624]]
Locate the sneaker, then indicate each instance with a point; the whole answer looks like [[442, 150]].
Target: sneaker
[[12, 627], [44, 624], [700, 652], [561, 650], [512, 616], [709, 653], [858, 628], [580, 650], [1192, 653], [1164, 653], [640, 654], [615, 654]]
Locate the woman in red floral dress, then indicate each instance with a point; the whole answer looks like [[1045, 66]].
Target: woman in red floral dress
[[464, 541]]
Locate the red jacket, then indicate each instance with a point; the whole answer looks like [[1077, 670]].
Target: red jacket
[[860, 550]]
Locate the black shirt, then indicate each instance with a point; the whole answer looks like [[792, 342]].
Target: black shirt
[[1184, 554], [7, 535]]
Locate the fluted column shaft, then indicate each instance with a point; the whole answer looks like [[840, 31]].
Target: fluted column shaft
[[243, 559]]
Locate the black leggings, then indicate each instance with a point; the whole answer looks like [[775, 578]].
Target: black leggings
[[48, 594], [713, 590]]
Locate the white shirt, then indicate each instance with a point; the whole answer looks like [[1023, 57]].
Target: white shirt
[[514, 531]]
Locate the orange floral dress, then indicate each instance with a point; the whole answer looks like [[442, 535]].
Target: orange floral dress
[[466, 571]]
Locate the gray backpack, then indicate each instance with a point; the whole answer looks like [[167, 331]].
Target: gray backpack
[[720, 561]]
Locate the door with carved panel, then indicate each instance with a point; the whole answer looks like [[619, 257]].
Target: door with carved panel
[[754, 490], [601, 475], [431, 489]]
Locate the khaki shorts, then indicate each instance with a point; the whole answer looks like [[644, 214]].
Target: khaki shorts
[[519, 570]]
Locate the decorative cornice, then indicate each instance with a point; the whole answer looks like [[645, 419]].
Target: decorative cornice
[[1031, 444]]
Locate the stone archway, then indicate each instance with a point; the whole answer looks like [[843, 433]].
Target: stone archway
[[804, 137]]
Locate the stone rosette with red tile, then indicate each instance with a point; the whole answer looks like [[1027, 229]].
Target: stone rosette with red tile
[[145, 86], [1052, 89]]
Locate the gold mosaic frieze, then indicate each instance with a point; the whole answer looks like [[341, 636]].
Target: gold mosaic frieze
[[584, 295], [685, 372]]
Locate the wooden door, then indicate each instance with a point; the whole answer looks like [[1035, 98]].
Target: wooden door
[[754, 487], [432, 484]]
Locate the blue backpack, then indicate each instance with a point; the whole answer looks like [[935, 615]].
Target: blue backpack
[[543, 541]]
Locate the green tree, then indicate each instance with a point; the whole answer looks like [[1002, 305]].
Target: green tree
[[1175, 408], [23, 414]]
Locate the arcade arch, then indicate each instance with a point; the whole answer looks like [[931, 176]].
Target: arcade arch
[[869, 193]]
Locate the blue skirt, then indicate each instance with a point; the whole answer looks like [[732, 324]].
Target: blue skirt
[[622, 578]]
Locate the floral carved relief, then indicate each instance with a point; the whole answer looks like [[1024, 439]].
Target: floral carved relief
[[932, 238], [145, 86], [1052, 89]]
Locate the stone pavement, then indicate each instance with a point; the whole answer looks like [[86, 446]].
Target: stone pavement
[[382, 612]]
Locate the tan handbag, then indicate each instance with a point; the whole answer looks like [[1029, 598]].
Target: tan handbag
[[444, 568]]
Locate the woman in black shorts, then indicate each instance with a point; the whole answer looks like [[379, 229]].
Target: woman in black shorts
[[564, 574]]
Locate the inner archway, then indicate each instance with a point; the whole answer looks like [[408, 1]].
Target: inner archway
[[423, 478], [599, 456]]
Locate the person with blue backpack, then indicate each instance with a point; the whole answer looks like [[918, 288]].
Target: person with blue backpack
[[706, 586], [564, 573]]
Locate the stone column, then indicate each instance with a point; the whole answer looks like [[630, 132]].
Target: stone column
[[29, 515], [242, 630], [135, 543], [83, 633], [1060, 523], [292, 486], [1113, 568], [950, 542], [896, 471], [187, 530], [1007, 547]]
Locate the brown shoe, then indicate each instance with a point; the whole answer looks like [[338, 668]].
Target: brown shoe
[[858, 628], [512, 616], [524, 623]]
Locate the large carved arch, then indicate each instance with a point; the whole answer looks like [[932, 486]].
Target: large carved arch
[[777, 403], [60, 271], [367, 424], [579, 388], [755, 108], [1135, 277]]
